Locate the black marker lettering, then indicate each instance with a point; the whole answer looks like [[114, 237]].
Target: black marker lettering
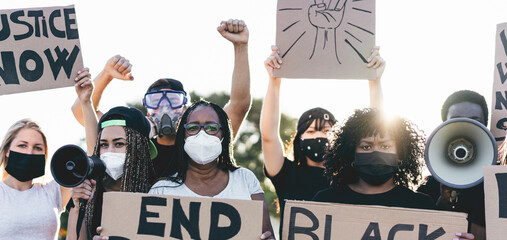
[[191, 224], [27, 74], [216, 232], [293, 229], [15, 19], [151, 228]]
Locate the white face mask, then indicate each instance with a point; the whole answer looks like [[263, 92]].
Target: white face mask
[[114, 164], [203, 148]]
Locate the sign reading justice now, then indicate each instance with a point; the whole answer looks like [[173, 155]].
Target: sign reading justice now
[[39, 49]]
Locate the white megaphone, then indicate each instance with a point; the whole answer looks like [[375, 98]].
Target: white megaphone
[[457, 151]]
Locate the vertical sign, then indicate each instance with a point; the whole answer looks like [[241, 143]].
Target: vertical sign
[[39, 49], [495, 193], [499, 106]]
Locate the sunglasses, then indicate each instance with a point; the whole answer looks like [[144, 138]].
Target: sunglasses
[[209, 128], [153, 99]]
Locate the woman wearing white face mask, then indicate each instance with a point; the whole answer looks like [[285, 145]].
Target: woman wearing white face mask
[[206, 165], [123, 145]]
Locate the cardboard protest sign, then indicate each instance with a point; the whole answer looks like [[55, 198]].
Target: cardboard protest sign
[[312, 220], [39, 49], [495, 191], [146, 216], [325, 39], [499, 105]]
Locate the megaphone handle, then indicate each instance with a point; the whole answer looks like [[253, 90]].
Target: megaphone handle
[[80, 216], [454, 199]]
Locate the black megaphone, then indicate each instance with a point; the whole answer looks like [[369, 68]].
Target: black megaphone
[[70, 166]]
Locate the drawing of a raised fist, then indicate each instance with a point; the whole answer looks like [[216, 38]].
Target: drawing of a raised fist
[[327, 16]]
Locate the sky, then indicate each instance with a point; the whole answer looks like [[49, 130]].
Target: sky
[[432, 48]]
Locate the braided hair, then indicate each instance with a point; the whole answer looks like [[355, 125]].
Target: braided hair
[[138, 176]]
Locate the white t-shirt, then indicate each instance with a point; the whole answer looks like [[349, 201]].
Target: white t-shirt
[[30, 214], [242, 184]]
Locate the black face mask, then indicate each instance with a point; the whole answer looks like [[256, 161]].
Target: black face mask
[[314, 148], [376, 168], [25, 167]]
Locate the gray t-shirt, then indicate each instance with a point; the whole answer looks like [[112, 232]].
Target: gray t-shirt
[[30, 214]]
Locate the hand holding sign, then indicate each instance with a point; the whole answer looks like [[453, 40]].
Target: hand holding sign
[[119, 67], [375, 61], [83, 85], [273, 61], [234, 30], [97, 237]]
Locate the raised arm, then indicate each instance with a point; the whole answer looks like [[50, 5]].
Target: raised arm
[[378, 63], [236, 32], [116, 67], [272, 147], [84, 90]]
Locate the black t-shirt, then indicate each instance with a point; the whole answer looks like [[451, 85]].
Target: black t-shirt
[[296, 182], [397, 197], [470, 200], [165, 163]]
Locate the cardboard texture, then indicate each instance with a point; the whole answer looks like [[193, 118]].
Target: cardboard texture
[[325, 39], [39, 49], [495, 193], [145, 216], [313, 220], [499, 104]]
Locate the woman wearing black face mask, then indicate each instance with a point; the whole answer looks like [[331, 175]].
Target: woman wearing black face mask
[[372, 161], [303, 176], [29, 210]]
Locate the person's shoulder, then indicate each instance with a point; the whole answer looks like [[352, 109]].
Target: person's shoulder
[[164, 182], [244, 173], [420, 200], [50, 185], [326, 195]]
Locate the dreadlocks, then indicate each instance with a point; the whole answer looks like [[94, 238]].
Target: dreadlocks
[[138, 175]]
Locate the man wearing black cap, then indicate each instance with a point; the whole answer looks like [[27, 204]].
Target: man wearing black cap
[[166, 98]]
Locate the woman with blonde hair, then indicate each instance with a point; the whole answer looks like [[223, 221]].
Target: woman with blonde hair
[[30, 210]]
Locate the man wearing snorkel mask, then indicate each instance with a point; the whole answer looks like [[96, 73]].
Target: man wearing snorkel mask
[[166, 99]]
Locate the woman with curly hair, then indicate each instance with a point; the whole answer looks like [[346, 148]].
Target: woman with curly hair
[[375, 161]]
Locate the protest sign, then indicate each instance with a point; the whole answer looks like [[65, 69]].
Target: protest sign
[[495, 193], [146, 216], [499, 105], [312, 220], [39, 49], [325, 39]]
